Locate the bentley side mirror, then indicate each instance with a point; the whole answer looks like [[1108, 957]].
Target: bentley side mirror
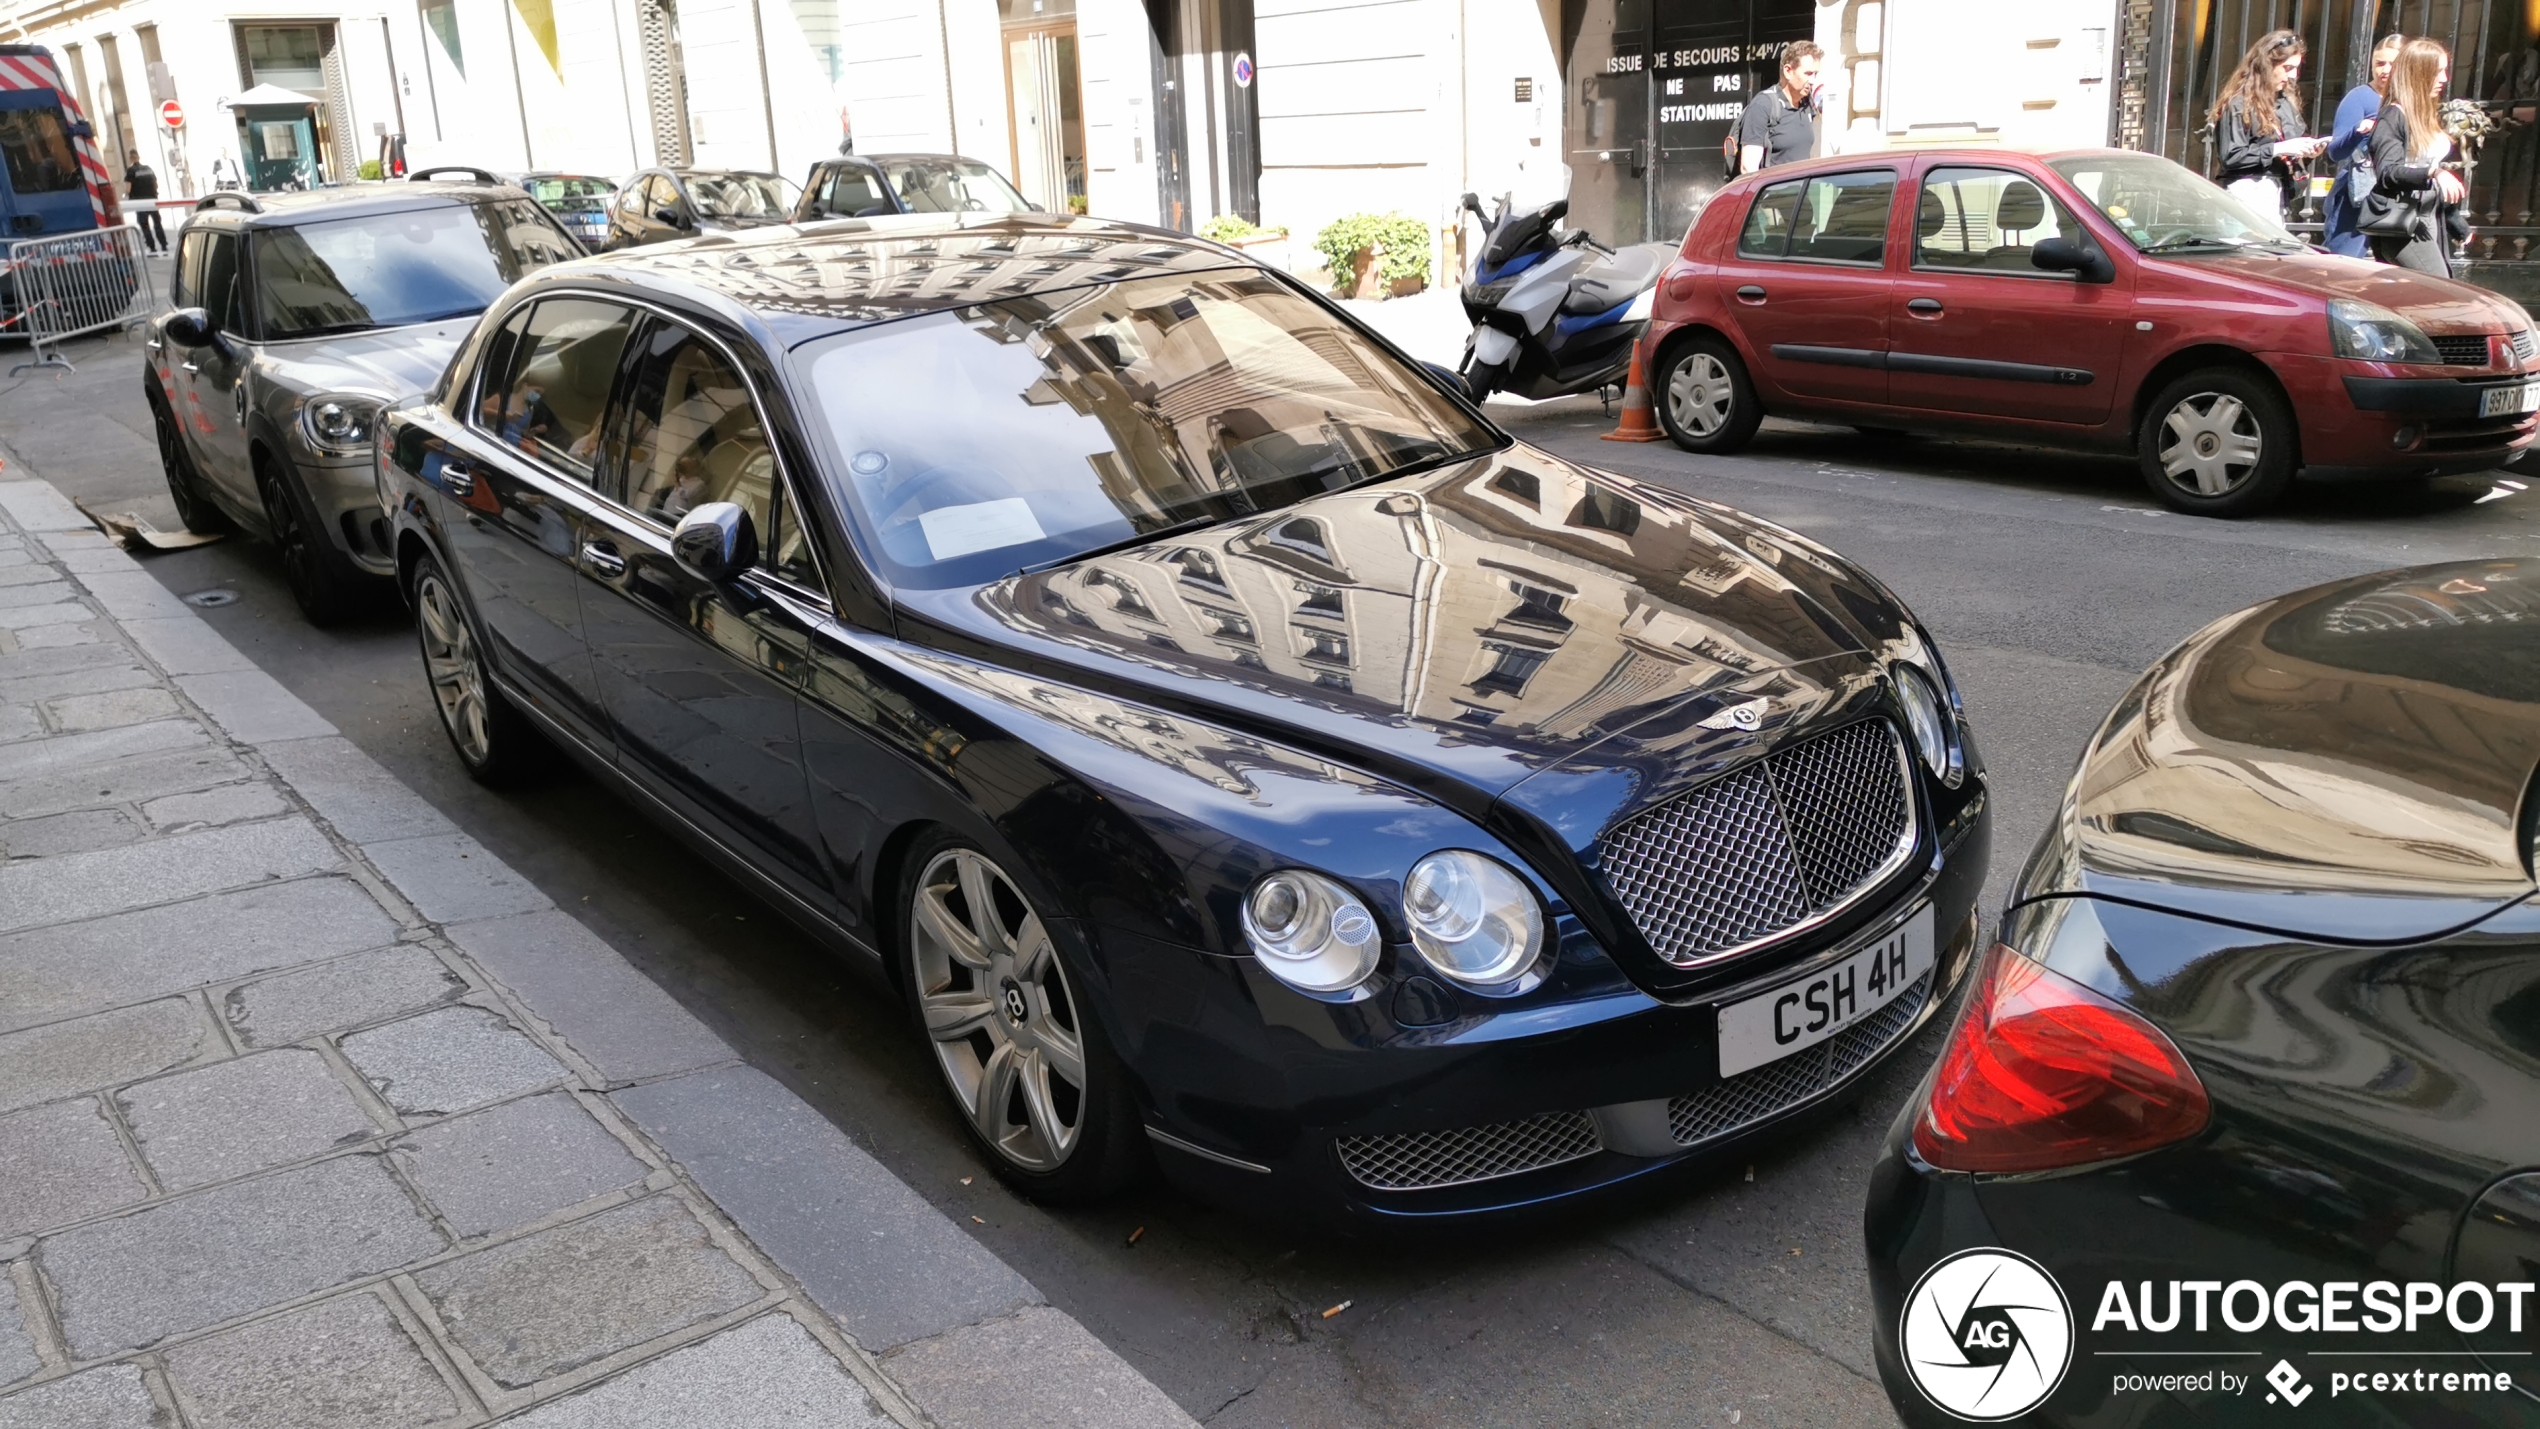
[[190, 327], [716, 541], [2083, 260]]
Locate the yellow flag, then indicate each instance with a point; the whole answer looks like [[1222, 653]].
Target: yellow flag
[[540, 17]]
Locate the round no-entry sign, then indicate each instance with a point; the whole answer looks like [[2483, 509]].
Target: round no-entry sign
[[172, 114]]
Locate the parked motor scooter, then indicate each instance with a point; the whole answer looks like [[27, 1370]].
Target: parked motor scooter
[[1553, 313]]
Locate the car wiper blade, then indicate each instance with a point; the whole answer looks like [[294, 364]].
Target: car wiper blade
[[1138, 538], [329, 330], [2178, 245], [1418, 465]]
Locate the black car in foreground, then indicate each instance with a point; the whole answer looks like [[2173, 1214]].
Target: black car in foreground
[[1232, 747], [2243, 1114]]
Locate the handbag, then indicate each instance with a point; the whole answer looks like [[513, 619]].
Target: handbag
[[2382, 216]]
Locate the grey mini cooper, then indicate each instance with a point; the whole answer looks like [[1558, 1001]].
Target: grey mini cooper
[[295, 318]]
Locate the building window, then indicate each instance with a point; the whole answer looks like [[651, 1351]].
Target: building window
[[291, 56], [1511, 667], [1606, 510], [1319, 599], [1331, 680], [1324, 647], [1304, 535], [1230, 626], [442, 18], [1538, 607], [1199, 568], [1522, 485]]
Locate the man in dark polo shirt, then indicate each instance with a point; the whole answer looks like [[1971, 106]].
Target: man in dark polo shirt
[[1780, 125]]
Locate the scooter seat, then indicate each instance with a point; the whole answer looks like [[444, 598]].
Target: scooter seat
[[1611, 282]]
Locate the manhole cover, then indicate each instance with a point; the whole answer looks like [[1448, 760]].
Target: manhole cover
[[209, 598]]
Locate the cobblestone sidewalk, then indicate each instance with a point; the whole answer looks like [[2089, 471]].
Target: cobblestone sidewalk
[[313, 1113]]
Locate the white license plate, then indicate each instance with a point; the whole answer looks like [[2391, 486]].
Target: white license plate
[[2497, 401], [1799, 1015]]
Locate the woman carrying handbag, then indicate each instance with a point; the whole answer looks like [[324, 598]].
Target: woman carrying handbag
[[2412, 216]]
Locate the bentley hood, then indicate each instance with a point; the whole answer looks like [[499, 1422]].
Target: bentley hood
[[1460, 631], [2351, 763]]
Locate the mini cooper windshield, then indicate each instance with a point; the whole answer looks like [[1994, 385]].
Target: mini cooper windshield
[[2163, 208], [416, 265], [991, 439]]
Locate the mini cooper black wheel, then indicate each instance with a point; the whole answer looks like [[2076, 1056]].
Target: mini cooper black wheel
[[1704, 398], [487, 733], [2217, 442], [185, 487], [324, 584], [1025, 1061]]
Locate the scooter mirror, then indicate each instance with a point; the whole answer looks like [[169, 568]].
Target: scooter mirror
[[1558, 208], [1473, 202]]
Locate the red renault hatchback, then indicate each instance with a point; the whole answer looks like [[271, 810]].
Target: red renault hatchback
[[2100, 299]]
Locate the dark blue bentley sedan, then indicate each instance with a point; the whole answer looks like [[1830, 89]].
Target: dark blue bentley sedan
[[1234, 749]]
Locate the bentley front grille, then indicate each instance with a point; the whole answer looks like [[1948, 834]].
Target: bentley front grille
[[1751, 1096], [1426, 1160], [1782, 842]]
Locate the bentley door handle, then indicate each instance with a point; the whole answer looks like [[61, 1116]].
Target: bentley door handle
[[1926, 307], [154, 344], [458, 481], [190, 367], [603, 561], [1750, 294]]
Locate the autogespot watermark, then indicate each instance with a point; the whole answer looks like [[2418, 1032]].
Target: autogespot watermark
[[1987, 1334]]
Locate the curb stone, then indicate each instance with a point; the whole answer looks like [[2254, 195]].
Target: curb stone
[[897, 1315]]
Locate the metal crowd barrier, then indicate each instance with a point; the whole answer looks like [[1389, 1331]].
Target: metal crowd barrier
[[63, 286]]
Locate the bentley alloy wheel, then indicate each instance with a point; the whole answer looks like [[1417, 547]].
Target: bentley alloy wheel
[[997, 1006]]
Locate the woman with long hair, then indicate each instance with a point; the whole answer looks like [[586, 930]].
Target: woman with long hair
[[2409, 150], [2258, 124], [2350, 138]]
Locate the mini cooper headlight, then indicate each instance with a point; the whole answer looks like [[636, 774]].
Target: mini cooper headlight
[[1471, 918], [1310, 932], [341, 424], [1935, 733]]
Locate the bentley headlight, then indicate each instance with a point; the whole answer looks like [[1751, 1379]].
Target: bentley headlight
[[1310, 932], [1471, 918], [341, 424], [1935, 732], [2376, 334]]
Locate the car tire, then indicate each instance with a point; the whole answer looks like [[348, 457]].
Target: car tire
[[2217, 442], [1705, 401], [1031, 1074], [185, 487], [494, 741], [326, 585]]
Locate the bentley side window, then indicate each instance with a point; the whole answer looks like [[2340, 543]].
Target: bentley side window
[[547, 396], [693, 435]]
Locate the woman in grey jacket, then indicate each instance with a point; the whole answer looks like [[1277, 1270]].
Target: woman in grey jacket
[[2258, 125], [2409, 148]]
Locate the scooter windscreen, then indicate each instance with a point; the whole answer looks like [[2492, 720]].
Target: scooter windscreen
[[1537, 198]]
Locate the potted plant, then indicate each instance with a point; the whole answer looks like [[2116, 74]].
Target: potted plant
[[1376, 255], [1266, 246]]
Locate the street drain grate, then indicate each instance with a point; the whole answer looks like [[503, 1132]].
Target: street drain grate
[[209, 598]]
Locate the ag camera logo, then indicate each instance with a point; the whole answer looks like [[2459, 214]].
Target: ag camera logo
[[1987, 1334]]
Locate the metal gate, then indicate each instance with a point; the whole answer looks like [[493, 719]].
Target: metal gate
[[2178, 54]]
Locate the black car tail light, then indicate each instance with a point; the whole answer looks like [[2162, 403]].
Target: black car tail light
[[2043, 1073]]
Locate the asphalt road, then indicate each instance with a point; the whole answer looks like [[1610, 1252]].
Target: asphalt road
[[2049, 580]]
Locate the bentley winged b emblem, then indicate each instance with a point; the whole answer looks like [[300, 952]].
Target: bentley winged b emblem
[[1745, 716]]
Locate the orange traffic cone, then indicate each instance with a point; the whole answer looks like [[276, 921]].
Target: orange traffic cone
[[1640, 419]]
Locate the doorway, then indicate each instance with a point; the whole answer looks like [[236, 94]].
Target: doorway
[[1045, 111]]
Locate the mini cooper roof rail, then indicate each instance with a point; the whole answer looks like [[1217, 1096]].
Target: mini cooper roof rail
[[228, 198], [433, 174]]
